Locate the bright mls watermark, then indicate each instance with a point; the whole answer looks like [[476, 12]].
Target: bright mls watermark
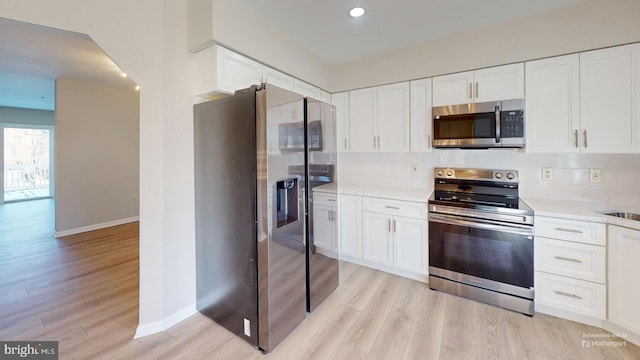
[[30, 350], [603, 340]]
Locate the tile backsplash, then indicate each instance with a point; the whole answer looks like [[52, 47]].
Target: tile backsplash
[[620, 182]]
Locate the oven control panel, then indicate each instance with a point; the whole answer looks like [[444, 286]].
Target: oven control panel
[[477, 174]]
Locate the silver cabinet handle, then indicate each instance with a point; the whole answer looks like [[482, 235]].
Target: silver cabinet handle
[[428, 141], [329, 215], [477, 92], [394, 226], [568, 259], [389, 224], [345, 143], [392, 207], [378, 142], [573, 296], [470, 90], [584, 135], [333, 215], [575, 138], [569, 230], [374, 142], [331, 200]]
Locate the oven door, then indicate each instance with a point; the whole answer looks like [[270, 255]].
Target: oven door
[[486, 254]]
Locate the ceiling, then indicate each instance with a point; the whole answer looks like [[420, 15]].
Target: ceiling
[[325, 28], [33, 56]]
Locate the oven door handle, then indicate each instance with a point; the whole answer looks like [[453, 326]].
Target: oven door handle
[[514, 229]]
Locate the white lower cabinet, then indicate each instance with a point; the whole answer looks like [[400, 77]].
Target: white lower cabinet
[[325, 227], [624, 287], [395, 235], [351, 226], [570, 267], [378, 238]]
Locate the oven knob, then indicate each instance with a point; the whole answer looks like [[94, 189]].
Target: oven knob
[[510, 176], [440, 173], [498, 175], [449, 173]]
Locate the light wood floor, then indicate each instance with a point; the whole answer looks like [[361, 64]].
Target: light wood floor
[[82, 290]]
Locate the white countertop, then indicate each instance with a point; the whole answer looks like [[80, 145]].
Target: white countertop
[[582, 210]]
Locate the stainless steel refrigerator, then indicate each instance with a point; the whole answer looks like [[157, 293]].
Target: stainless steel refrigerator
[[256, 265]]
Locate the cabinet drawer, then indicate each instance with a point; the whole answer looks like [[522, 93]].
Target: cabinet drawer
[[395, 207], [325, 199], [580, 261], [582, 297], [571, 230]]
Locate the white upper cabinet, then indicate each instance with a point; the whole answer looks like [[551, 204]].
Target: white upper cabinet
[[553, 104], [325, 97], [490, 84], [379, 119], [585, 102], [277, 78], [609, 100], [363, 119], [306, 89], [221, 71], [421, 118], [393, 118], [453, 89], [341, 102]]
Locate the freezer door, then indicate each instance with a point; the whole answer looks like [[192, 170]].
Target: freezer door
[[281, 256], [225, 201]]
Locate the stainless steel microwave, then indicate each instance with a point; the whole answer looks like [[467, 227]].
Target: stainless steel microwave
[[496, 124]]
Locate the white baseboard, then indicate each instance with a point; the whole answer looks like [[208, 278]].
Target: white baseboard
[[95, 227], [162, 325], [408, 274]]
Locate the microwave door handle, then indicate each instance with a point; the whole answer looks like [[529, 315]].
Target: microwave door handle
[[498, 125]]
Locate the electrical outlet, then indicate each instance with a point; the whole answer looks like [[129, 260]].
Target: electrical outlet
[[134, 199], [414, 168], [546, 174], [595, 175]]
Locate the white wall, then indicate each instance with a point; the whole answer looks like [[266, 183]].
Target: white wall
[[234, 25], [97, 157], [593, 24], [147, 39], [570, 172], [10, 115]]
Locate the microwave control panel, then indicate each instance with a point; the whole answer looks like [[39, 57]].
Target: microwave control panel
[[512, 124]]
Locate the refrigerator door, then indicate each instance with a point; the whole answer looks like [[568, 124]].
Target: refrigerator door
[[225, 194], [281, 225], [321, 170]]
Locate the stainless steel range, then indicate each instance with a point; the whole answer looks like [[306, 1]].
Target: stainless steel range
[[481, 238]]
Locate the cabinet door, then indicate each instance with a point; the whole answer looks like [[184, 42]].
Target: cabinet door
[[624, 288], [277, 78], [421, 118], [410, 244], [453, 89], [609, 100], [553, 104], [393, 117], [351, 226], [323, 227], [234, 71], [499, 83], [341, 102], [363, 117], [305, 89], [377, 238]]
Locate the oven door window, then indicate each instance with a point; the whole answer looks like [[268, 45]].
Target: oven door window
[[467, 126], [500, 256]]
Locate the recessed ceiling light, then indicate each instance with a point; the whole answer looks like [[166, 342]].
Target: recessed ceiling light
[[356, 12], [123, 75], [137, 88]]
